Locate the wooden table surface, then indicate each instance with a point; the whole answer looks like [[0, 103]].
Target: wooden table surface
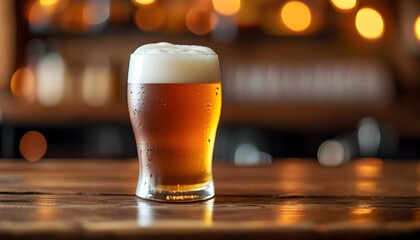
[[292, 198]]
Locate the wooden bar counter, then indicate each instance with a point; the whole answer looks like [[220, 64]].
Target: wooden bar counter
[[290, 199]]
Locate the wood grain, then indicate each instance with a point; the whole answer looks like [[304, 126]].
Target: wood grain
[[293, 198]]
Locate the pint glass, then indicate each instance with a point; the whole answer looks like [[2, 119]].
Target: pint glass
[[174, 100]]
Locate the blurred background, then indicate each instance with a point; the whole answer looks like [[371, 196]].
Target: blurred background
[[325, 79]]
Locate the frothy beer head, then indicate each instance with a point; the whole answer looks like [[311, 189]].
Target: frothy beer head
[[171, 63]]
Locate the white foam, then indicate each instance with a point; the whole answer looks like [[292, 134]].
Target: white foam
[[171, 63]]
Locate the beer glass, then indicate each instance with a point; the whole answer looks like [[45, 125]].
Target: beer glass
[[174, 100]]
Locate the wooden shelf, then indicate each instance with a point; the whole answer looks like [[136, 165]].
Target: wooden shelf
[[294, 117], [321, 117], [24, 113]]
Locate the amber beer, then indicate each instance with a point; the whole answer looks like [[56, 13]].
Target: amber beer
[[174, 100]]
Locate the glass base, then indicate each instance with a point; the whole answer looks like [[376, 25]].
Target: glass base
[[162, 195]]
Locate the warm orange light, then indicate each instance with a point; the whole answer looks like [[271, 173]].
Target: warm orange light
[[367, 187], [23, 84], [227, 7], [369, 23], [368, 171], [344, 5], [290, 213], [143, 2], [72, 20], [39, 15], [369, 168], [296, 16], [48, 2], [417, 28], [33, 146], [200, 21], [52, 6], [362, 213], [150, 19], [250, 15]]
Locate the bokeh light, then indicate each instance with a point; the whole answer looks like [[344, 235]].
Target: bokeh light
[[296, 16], [250, 14], [23, 84], [33, 146], [96, 12], [51, 76], [344, 5], [333, 153], [52, 5], [72, 19], [143, 2], [175, 12], [369, 23], [48, 2], [417, 28], [227, 7], [97, 80], [39, 16], [149, 19], [200, 21]]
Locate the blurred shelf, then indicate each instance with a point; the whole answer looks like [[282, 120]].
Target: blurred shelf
[[24, 113], [405, 118], [324, 118]]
